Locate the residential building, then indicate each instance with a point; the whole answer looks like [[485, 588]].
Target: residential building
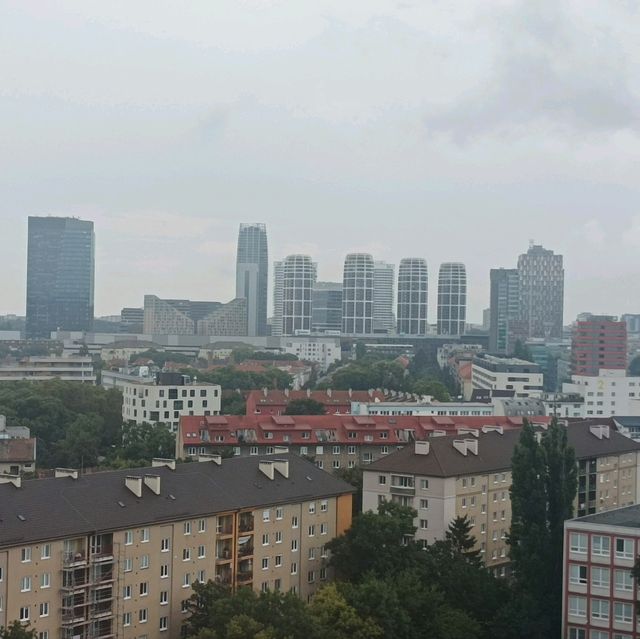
[[608, 394], [413, 293], [384, 320], [452, 299], [600, 590], [132, 320], [252, 275], [470, 474], [357, 294], [504, 311], [17, 449], [326, 308], [121, 550], [69, 369], [507, 374], [278, 298], [426, 406], [320, 350], [60, 275], [541, 280], [163, 398], [598, 342], [564, 405], [299, 276]]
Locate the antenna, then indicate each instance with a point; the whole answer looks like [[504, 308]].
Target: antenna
[[532, 243]]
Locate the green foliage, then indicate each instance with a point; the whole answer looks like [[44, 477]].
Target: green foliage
[[542, 493], [160, 358], [17, 630], [231, 378], [142, 442], [305, 406], [461, 541], [233, 403], [243, 354]]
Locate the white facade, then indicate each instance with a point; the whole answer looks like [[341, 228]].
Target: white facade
[[357, 294], [452, 299], [413, 289], [299, 276], [610, 393], [70, 369], [278, 298], [425, 408], [507, 374], [384, 320], [322, 350]]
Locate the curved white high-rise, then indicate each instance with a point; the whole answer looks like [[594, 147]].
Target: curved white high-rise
[[452, 299], [357, 294], [298, 278], [383, 287], [413, 290]]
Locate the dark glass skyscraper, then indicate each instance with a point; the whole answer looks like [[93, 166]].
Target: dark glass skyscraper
[[326, 307], [252, 275], [60, 271], [504, 311]]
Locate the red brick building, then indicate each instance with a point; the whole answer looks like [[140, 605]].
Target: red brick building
[[598, 343]]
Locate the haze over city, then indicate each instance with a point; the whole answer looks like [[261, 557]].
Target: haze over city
[[393, 128]]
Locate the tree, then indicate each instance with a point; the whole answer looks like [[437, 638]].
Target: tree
[[17, 630], [543, 489], [461, 540], [522, 351], [305, 406]]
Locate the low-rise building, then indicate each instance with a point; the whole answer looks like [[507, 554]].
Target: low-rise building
[[70, 369], [507, 374], [163, 398], [607, 394], [427, 407], [600, 590], [470, 474], [320, 350], [115, 554], [17, 449]]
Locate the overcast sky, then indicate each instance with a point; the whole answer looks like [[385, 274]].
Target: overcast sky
[[455, 131]]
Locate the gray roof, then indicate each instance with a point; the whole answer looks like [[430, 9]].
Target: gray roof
[[64, 507], [495, 451], [628, 517]]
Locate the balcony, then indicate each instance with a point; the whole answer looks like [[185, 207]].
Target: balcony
[[409, 491], [101, 609], [246, 522], [74, 557], [223, 575], [245, 577], [224, 550], [224, 527], [245, 549]]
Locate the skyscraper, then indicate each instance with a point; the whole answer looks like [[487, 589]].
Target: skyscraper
[[60, 272], [357, 294], [278, 298], [252, 275], [452, 299], [505, 309], [299, 276], [541, 276], [384, 320], [326, 307], [413, 287]]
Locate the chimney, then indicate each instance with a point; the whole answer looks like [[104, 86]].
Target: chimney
[[370, 392], [159, 462], [134, 484], [280, 450], [308, 393], [16, 480], [66, 472], [469, 431], [286, 392], [265, 392], [267, 468], [438, 433], [493, 429], [207, 457], [472, 445], [282, 466], [601, 431], [152, 482], [464, 446], [422, 448], [329, 393]]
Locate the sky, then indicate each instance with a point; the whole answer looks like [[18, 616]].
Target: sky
[[453, 131]]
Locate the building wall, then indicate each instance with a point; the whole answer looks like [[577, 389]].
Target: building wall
[[413, 290], [357, 295], [452, 299], [598, 343], [523, 384], [383, 297], [252, 275], [610, 393]]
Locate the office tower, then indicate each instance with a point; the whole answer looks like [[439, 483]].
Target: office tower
[[252, 275], [413, 287], [632, 321], [505, 309], [278, 298], [384, 320], [326, 307], [357, 294], [599, 342], [131, 320], [452, 299], [541, 275], [299, 276], [60, 271]]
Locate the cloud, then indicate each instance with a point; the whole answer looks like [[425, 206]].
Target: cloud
[[594, 234]]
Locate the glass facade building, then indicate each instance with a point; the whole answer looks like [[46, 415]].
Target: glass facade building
[[452, 299], [357, 294], [252, 275], [326, 307], [413, 288], [299, 276]]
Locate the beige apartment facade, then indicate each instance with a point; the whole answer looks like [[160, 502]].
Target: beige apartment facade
[[128, 570], [446, 477]]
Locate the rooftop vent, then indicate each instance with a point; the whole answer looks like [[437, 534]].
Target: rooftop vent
[[493, 429], [16, 480], [134, 484], [267, 468], [152, 482], [282, 466], [280, 450], [159, 462], [422, 448], [601, 431], [466, 446], [469, 431], [66, 472], [207, 457], [438, 433]]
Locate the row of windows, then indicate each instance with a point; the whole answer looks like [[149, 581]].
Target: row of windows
[[601, 609], [600, 577], [601, 546], [145, 533], [581, 633], [143, 617]]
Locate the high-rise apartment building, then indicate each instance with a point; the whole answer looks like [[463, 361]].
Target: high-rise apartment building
[[357, 294], [413, 288], [326, 307], [60, 272], [504, 311], [452, 299], [599, 342], [278, 298], [383, 297], [299, 276], [252, 275], [541, 275]]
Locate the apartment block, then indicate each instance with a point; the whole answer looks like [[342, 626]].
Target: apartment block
[[608, 394], [598, 342], [117, 553], [69, 369], [600, 592], [470, 474], [524, 378]]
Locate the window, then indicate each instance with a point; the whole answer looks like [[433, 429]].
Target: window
[[577, 633], [202, 525], [265, 539], [186, 528], [312, 508], [294, 545], [324, 528], [128, 537], [294, 521], [126, 592], [24, 613], [25, 584], [186, 580], [278, 561], [577, 574], [424, 524], [294, 568], [45, 551], [164, 571], [624, 580], [25, 555], [601, 546], [623, 612], [144, 562], [265, 563], [202, 552], [578, 606], [126, 619], [44, 609], [312, 530], [624, 548], [45, 580], [266, 514], [164, 623], [600, 609], [600, 577], [311, 576], [43, 634], [184, 605], [382, 479], [312, 554], [143, 615], [279, 537], [128, 564], [165, 544], [186, 554], [144, 535], [578, 543], [424, 484], [201, 576], [279, 513]]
